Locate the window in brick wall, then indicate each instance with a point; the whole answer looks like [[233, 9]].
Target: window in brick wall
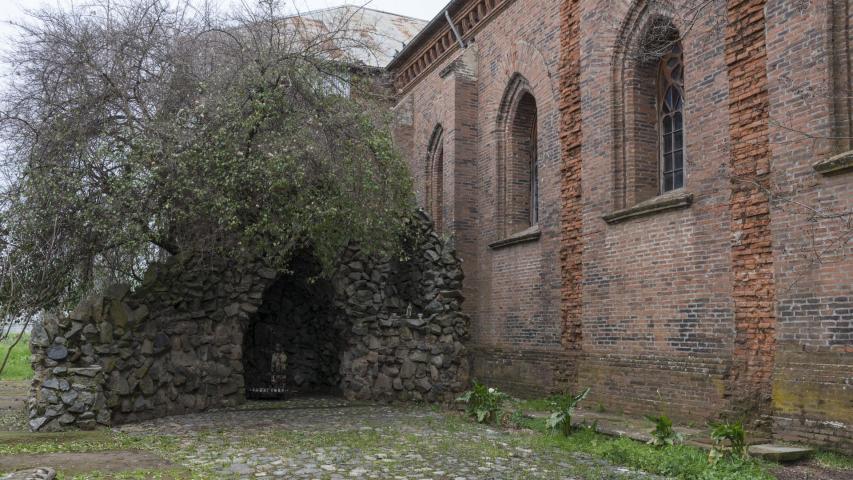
[[518, 157], [671, 114], [649, 142], [435, 178]]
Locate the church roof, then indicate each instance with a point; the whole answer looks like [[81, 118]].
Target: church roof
[[369, 37]]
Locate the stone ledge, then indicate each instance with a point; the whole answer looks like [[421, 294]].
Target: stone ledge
[[669, 201], [780, 453], [532, 234], [837, 164]]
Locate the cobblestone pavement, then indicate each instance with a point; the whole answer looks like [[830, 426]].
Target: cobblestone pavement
[[334, 440]]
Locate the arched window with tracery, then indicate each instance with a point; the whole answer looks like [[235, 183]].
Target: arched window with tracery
[[435, 178], [649, 99], [671, 114]]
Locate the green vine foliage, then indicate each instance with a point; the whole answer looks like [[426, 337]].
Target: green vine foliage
[[152, 130]]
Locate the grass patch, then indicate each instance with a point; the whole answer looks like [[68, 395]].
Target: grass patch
[[18, 367], [833, 460], [168, 474], [81, 442], [532, 404], [680, 461], [21, 439]]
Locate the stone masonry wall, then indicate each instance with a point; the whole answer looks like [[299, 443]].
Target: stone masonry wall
[[406, 323], [175, 344], [166, 348]]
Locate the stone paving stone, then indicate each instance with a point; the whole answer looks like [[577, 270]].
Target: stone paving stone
[[336, 440], [31, 474]]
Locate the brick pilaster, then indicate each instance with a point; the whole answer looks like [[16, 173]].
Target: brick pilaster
[[571, 248], [752, 251]]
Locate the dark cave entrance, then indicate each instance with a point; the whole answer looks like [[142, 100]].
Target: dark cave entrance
[[293, 343]]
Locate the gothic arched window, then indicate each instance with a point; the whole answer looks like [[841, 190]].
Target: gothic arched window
[[649, 95], [671, 114], [435, 178], [524, 166], [517, 159]]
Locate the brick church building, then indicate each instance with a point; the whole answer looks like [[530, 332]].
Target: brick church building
[[650, 198]]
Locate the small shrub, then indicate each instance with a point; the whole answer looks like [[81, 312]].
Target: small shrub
[[663, 435], [483, 403], [564, 407], [732, 433]]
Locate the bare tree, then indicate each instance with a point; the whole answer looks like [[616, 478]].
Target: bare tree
[[137, 129]]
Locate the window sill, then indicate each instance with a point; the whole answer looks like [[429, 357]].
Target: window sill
[[837, 164], [532, 234], [668, 201]]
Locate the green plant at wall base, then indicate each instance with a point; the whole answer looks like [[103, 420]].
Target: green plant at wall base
[[483, 403], [732, 433], [564, 407], [663, 435], [514, 419]]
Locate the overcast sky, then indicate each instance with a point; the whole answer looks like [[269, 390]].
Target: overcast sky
[[426, 9]]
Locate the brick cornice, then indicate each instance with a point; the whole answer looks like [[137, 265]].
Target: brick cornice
[[431, 48]]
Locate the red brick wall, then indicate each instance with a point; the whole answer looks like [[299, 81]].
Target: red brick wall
[[752, 255], [513, 292], [657, 290], [571, 244], [712, 308], [519, 298], [812, 381]]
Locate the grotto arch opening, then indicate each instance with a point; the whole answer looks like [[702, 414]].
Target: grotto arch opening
[[293, 344]]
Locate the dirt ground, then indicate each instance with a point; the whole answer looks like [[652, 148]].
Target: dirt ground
[[74, 463], [809, 470], [13, 394]]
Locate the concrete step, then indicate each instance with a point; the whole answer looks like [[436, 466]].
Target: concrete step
[[780, 453]]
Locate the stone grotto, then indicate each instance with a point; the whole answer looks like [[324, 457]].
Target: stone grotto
[[202, 333]]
